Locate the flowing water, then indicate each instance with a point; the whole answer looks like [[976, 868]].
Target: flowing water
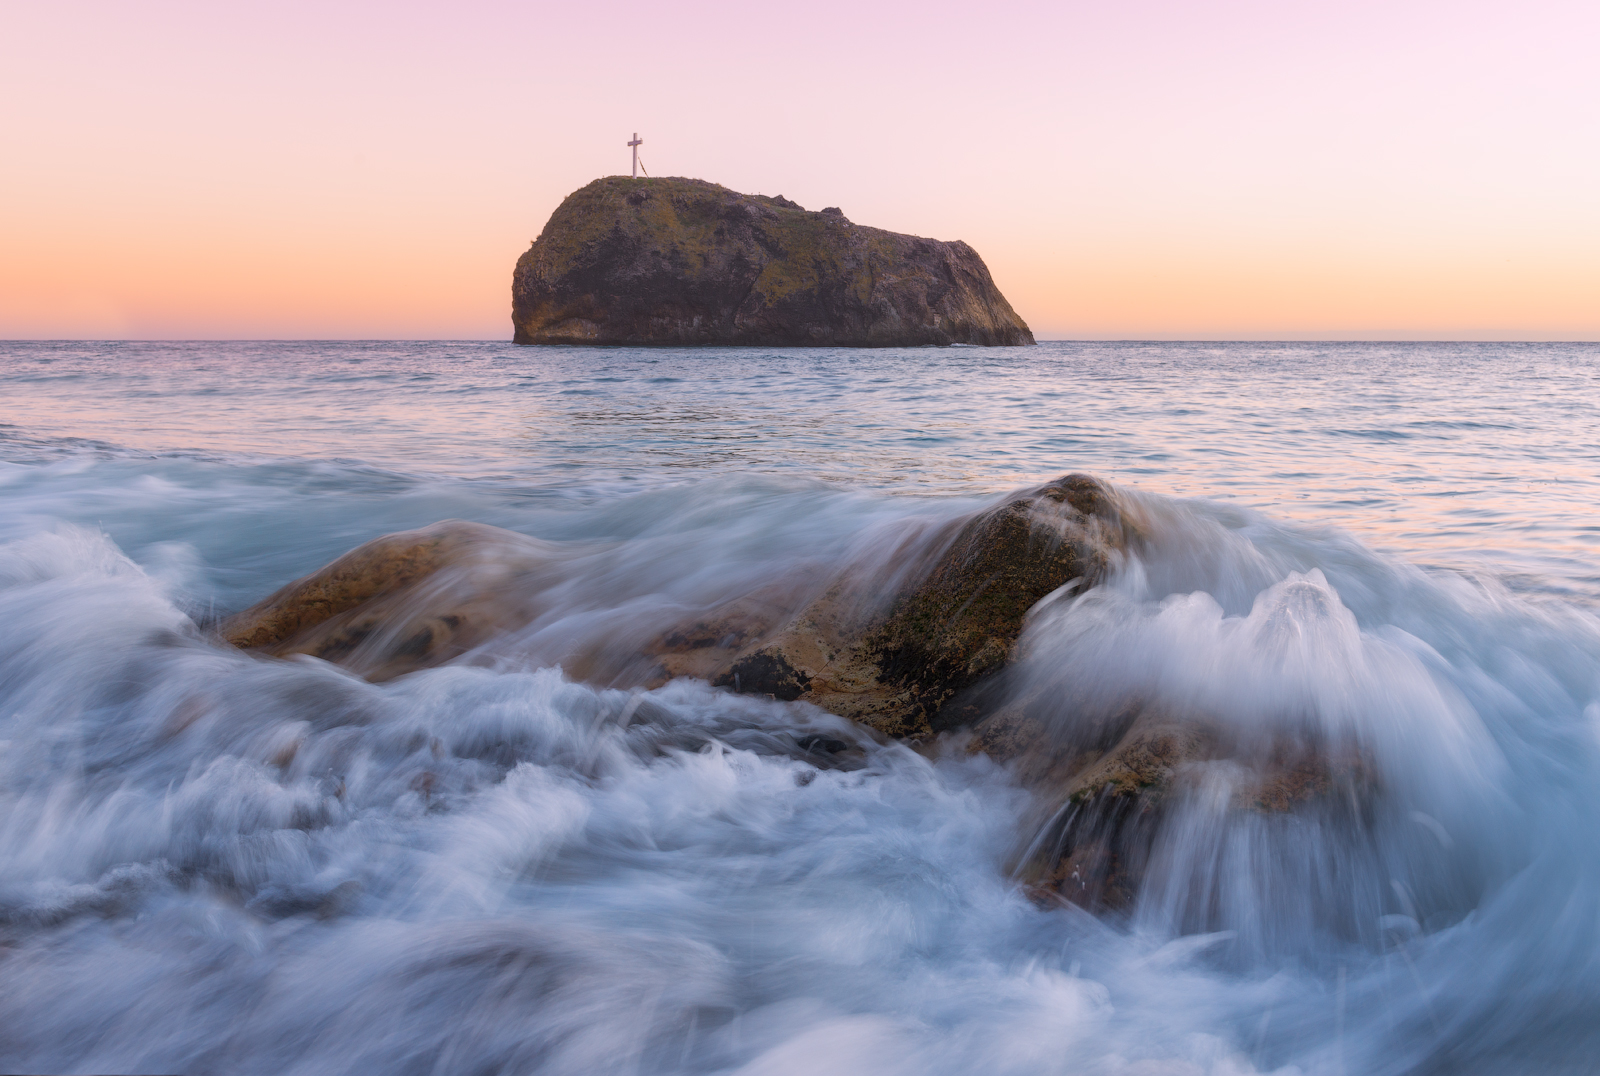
[[211, 862]]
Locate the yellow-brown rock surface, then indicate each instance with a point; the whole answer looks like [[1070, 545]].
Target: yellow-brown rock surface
[[403, 601]]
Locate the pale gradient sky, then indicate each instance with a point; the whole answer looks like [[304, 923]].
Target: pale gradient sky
[[1149, 169]]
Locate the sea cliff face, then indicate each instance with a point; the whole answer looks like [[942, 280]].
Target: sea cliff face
[[683, 261]]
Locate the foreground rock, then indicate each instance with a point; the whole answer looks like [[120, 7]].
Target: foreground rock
[[918, 646], [683, 261]]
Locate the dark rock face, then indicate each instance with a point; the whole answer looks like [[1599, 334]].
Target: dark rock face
[[684, 262]]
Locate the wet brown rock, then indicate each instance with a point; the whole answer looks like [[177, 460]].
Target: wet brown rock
[[891, 648], [900, 662], [403, 601], [962, 622], [380, 566], [1144, 763], [1295, 775], [1098, 814], [708, 644]]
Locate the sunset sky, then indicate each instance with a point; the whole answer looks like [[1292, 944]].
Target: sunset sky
[[1398, 170]]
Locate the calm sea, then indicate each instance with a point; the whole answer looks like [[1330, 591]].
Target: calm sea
[[475, 870]]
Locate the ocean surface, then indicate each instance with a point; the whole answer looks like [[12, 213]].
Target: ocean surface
[[216, 863]]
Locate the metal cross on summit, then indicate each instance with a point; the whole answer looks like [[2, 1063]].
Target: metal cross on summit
[[636, 143]]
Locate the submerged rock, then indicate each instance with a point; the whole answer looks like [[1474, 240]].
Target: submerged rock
[[403, 601], [1105, 791], [683, 261]]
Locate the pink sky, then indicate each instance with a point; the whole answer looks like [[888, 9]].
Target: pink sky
[[1144, 169]]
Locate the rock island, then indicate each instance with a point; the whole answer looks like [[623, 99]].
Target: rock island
[[685, 262]]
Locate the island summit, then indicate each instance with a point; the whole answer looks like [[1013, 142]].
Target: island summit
[[684, 262]]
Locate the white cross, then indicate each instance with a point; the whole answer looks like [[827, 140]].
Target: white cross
[[636, 143]]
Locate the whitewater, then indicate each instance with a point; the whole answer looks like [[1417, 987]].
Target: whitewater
[[213, 862]]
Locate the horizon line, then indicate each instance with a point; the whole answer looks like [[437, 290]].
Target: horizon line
[[786, 347]]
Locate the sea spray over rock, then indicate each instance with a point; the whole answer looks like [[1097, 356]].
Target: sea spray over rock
[[217, 863], [1471, 713]]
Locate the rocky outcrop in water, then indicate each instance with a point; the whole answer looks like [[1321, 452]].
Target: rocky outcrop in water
[[686, 262], [917, 653], [899, 661]]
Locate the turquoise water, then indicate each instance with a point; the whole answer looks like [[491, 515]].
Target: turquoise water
[[489, 869]]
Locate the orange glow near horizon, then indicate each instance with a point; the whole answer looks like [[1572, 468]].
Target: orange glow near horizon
[[1412, 170]]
